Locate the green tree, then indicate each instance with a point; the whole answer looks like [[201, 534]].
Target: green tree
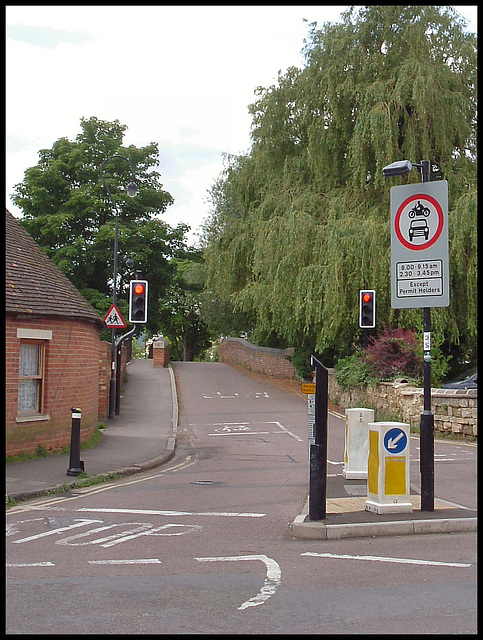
[[67, 211], [301, 223], [181, 309]]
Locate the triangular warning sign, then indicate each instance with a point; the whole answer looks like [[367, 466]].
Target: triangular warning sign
[[114, 319]]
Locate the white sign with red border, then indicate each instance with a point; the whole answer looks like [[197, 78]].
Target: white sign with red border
[[419, 245], [114, 319]]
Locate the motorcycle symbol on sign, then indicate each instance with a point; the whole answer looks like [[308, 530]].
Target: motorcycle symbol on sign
[[419, 210]]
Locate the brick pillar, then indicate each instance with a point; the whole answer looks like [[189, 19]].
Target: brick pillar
[[160, 353]]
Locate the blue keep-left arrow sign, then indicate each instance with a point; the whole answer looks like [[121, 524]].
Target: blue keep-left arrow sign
[[395, 440]]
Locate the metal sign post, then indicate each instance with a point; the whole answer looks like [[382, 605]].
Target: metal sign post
[[420, 278]]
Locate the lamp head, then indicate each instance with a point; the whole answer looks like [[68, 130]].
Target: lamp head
[[132, 189], [400, 168]]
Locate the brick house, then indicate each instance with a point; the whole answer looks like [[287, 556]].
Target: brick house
[[54, 357]]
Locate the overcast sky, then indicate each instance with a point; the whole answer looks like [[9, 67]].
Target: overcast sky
[[181, 76]]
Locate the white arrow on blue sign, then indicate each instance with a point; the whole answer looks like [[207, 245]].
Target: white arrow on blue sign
[[395, 440]]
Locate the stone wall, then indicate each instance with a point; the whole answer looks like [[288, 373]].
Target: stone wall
[[454, 410]]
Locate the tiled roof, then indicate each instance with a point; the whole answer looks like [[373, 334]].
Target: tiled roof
[[34, 285]]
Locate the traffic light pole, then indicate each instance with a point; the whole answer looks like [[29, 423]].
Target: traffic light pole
[[124, 337], [426, 427], [131, 191]]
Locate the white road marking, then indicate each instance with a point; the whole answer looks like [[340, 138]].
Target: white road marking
[[30, 564], [153, 512], [242, 433], [140, 529], [133, 561], [82, 523], [243, 428], [272, 581], [383, 559], [88, 491]]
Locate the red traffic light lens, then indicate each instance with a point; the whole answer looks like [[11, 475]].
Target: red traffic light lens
[[138, 289], [366, 297]]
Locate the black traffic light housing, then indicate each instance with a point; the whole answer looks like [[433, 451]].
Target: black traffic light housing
[[367, 308], [138, 301]]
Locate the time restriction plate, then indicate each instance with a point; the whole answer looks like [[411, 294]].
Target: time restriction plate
[[419, 245]]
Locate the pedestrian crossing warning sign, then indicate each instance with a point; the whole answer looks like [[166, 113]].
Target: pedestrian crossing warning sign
[[114, 319]]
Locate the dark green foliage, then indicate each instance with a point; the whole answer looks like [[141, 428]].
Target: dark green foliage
[[68, 212], [181, 309], [301, 223]]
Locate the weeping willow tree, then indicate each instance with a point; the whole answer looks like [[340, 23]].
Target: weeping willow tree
[[301, 223]]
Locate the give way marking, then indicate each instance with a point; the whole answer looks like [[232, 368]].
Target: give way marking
[[273, 579]]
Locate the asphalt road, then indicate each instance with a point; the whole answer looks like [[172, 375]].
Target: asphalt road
[[201, 545]]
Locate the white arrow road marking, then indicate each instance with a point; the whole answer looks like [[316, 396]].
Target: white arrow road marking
[[382, 559], [273, 579], [392, 442]]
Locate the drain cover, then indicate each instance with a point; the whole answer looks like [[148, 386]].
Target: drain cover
[[204, 482]]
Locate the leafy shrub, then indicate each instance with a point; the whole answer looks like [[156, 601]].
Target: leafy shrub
[[354, 372], [396, 352]]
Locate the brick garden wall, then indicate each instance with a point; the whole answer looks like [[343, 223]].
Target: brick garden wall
[[160, 353], [273, 362]]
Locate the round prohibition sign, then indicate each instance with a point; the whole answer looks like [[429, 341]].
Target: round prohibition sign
[[408, 207]]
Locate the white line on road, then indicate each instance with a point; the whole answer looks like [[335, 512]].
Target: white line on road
[[272, 581], [30, 564], [383, 559], [152, 512], [133, 561], [242, 433]]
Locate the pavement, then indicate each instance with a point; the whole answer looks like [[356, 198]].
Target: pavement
[[143, 436]]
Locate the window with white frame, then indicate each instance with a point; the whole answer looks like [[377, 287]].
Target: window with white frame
[[31, 376]]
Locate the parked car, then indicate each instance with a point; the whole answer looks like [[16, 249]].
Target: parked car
[[467, 380]]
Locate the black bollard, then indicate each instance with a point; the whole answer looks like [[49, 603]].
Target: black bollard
[[318, 451], [76, 465]]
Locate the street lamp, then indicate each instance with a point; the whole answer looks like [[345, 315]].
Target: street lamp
[[131, 192], [426, 427]]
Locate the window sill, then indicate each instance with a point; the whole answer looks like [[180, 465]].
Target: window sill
[[33, 418]]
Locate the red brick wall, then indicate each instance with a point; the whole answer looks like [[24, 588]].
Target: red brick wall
[[274, 362], [160, 353], [71, 380]]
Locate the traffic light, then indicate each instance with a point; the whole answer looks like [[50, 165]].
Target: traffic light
[[367, 309], [138, 301]]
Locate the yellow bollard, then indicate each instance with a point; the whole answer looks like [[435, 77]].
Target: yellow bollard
[[388, 489]]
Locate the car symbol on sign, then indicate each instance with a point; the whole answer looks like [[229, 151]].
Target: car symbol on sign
[[418, 227]]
